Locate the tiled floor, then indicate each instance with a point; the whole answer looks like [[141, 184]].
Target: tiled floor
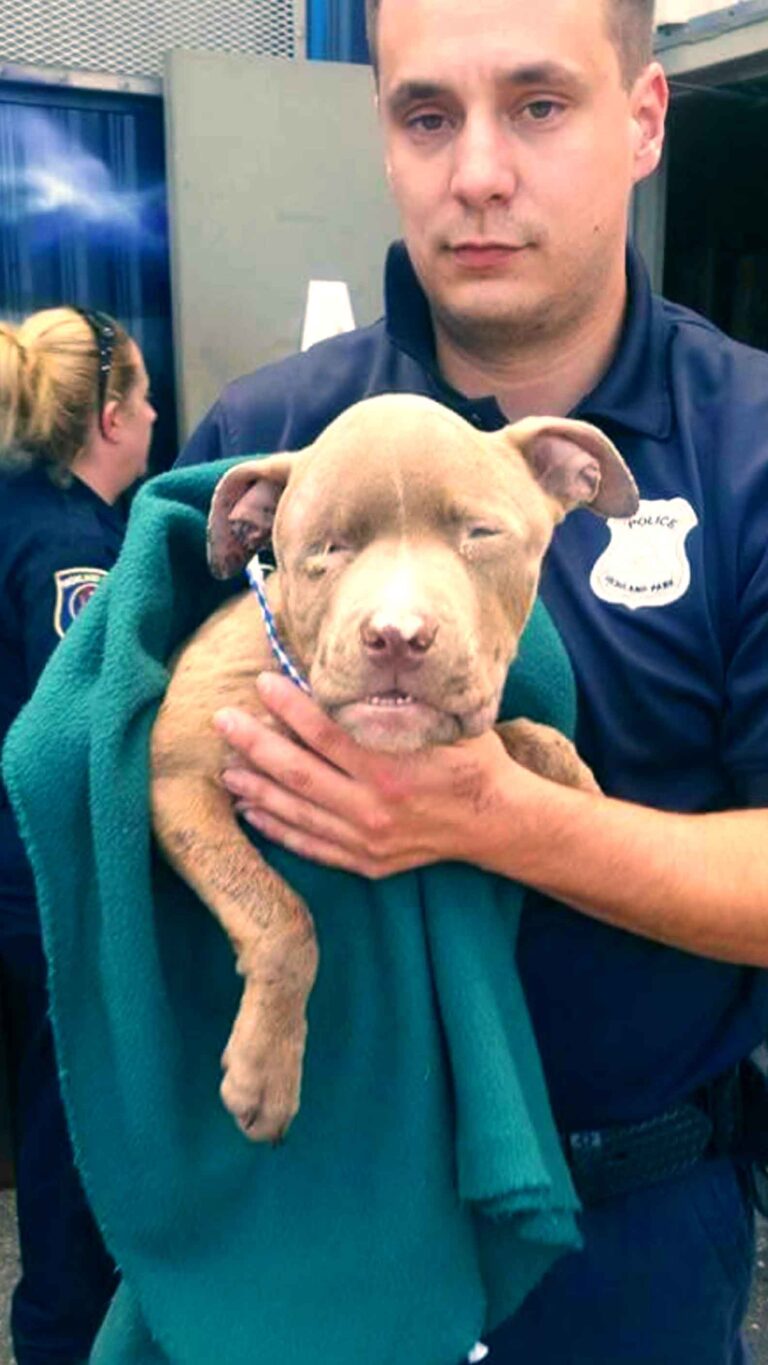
[[757, 1319], [9, 1269]]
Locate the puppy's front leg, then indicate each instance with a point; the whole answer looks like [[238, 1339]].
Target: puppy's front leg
[[545, 751], [273, 936]]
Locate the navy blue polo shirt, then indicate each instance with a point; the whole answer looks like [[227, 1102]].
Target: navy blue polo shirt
[[665, 619], [55, 546]]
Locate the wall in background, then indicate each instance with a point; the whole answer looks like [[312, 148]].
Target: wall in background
[[264, 205]]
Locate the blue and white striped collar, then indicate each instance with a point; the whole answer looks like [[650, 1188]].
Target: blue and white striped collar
[[255, 574]]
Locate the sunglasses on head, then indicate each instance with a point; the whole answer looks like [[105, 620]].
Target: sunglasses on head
[[103, 329]]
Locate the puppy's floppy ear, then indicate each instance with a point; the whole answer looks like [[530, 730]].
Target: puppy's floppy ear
[[242, 511], [575, 464]]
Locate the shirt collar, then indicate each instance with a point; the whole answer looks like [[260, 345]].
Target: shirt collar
[[634, 393], [111, 513]]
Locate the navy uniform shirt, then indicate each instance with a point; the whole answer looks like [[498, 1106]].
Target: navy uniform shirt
[[665, 619], [56, 544]]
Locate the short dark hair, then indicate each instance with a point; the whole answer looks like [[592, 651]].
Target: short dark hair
[[630, 23]]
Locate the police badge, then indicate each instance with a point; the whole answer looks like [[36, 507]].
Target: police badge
[[74, 587], [645, 564]]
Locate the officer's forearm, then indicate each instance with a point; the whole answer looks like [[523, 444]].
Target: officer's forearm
[[697, 882]]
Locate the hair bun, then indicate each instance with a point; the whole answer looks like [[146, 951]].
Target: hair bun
[[12, 334]]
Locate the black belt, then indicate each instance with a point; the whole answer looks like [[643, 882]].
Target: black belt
[[606, 1162]]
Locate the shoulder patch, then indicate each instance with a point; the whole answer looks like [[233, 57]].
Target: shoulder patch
[[74, 587], [646, 564]]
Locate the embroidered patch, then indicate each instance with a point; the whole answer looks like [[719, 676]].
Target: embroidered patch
[[74, 587], [645, 564]]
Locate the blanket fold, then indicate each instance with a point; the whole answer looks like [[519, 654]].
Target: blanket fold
[[421, 1192]]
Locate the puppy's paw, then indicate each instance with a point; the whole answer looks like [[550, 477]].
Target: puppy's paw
[[545, 751], [262, 1085]]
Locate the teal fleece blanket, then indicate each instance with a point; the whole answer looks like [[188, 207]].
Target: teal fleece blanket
[[421, 1192]]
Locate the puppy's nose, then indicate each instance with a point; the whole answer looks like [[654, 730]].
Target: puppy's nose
[[402, 640]]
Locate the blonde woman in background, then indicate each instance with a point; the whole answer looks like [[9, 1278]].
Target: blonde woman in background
[[75, 430]]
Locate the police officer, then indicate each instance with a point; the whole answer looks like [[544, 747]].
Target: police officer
[[513, 136], [75, 429]]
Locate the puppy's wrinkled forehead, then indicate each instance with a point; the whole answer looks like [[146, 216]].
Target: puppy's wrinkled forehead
[[398, 472]]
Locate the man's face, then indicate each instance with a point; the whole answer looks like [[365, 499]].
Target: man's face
[[512, 145]]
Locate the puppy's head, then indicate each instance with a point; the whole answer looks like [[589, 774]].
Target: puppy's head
[[409, 547]]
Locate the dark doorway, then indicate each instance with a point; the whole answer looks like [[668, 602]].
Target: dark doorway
[[716, 255]]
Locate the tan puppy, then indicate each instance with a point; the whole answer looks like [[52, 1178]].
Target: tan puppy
[[408, 548]]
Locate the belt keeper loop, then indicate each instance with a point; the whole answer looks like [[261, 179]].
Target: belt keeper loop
[[724, 1107]]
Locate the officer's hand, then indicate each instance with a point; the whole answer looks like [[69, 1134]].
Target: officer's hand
[[329, 800]]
